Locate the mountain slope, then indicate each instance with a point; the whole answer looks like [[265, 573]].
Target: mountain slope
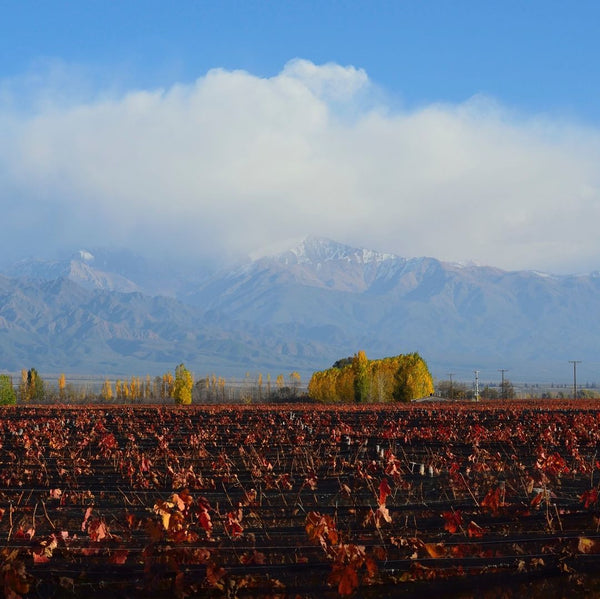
[[60, 326], [298, 310], [455, 315]]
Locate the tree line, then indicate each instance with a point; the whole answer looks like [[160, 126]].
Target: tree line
[[355, 379], [178, 387]]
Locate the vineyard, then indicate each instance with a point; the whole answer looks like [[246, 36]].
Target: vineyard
[[460, 500]]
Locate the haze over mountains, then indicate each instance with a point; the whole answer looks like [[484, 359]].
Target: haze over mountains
[[113, 313]]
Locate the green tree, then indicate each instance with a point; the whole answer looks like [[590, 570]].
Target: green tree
[[7, 392], [488, 393], [182, 389]]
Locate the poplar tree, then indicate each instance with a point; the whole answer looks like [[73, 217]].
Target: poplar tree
[[182, 389], [62, 383]]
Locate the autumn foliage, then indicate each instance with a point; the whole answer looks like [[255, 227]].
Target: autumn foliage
[[488, 499], [359, 380]]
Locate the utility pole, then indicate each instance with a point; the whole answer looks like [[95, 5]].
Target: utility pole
[[476, 385], [574, 362], [503, 370], [451, 374]]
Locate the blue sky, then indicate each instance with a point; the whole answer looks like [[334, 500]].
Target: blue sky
[[472, 126], [533, 56]]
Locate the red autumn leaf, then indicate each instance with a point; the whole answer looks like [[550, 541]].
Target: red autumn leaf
[[379, 553], [538, 498], [205, 522], [118, 556], [131, 520], [321, 528], [39, 556], [589, 498], [233, 525], [145, 464], [97, 530], [108, 442], [474, 530], [384, 491], [493, 500], [452, 521], [347, 580], [371, 566]]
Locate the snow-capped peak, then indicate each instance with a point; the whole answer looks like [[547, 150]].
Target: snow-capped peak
[[84, 256], [317, 250]]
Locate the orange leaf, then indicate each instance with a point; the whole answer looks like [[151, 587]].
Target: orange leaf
[[435, 550], [493, 500]]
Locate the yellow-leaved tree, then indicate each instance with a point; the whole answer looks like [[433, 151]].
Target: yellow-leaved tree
[[357, 379], [182, 389], [62, 383], [107, 392], [412, 378]]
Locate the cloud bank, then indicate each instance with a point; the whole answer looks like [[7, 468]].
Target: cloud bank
[[234, 162]]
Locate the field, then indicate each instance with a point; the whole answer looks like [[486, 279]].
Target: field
[[457, 500]]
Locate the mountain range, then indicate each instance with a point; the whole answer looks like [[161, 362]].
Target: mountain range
[[114, 313]]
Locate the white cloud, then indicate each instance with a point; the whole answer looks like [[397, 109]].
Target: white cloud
[[330, 81], [234, 162]]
